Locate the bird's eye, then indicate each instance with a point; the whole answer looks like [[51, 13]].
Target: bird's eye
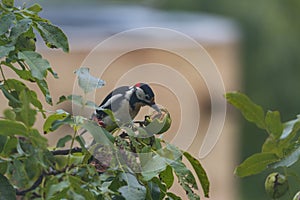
[[147, 97]]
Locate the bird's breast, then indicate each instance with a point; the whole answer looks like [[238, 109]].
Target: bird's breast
[[135, 110]]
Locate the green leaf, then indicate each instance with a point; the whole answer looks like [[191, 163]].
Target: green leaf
[[11, 128], [171, 152], [31, 163], [45, 90], [53, 36], [19, 177], [8, 3], [54, 74], [3, 168], [173, 196], [35, 8], [27, 114], [90, 104], [287, 139], [26, 41], [9, 147], [3, 140], [16, 85], [76, 99], [99, 134], [62, 99], [6, 22], [78, 191], [86, 81], [4, 50], [37, 139], [57, 188], [255, 164], [34, 100], [7, 191], [153, 191], [273, 123], [21, 96], [271, 145], [59, 115], [167, 177], [162, 187], [38, 66], [288, 160], [62, 141], [11, 96], [23, 74], [251, 111], [201, 174], [186, 179], [22, 26], [153, 167], [9, 114], [290, 128], [133, 190]]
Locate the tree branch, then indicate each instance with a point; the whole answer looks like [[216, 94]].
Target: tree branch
[[53, 172], [34, 186], [66, 151]]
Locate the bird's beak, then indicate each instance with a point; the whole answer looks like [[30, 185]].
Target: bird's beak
[[156, 108]]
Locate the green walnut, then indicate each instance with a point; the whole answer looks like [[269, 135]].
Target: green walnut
[[276, 185], [158, 122], [26, 43], [297, 196]]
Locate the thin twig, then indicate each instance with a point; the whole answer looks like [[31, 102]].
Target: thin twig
[[34, 186], [40, 179], [66, 151]]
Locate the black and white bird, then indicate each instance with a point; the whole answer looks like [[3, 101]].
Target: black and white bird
[[125, 103]]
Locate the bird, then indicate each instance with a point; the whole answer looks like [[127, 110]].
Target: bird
[[124, 103]]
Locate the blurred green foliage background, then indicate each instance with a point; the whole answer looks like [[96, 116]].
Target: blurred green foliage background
[[270, 61]]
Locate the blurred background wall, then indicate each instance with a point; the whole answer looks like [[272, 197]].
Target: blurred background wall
[[269, 59], [88, 24], [262, 61]]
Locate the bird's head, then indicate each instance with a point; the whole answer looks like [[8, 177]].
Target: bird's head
[[145, 95]]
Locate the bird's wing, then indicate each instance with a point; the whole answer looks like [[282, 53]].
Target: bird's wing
[[113, 102], [119, 90], [114, 98]]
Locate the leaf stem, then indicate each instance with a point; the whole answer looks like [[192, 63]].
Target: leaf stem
[[23, 65], [2, 73], [71, 146], [4, 78], [286, 175]]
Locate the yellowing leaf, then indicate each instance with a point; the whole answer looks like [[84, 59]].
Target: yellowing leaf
[[59, 115]]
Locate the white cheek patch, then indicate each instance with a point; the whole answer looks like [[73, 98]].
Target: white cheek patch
[[140, 94], [128, 94]]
